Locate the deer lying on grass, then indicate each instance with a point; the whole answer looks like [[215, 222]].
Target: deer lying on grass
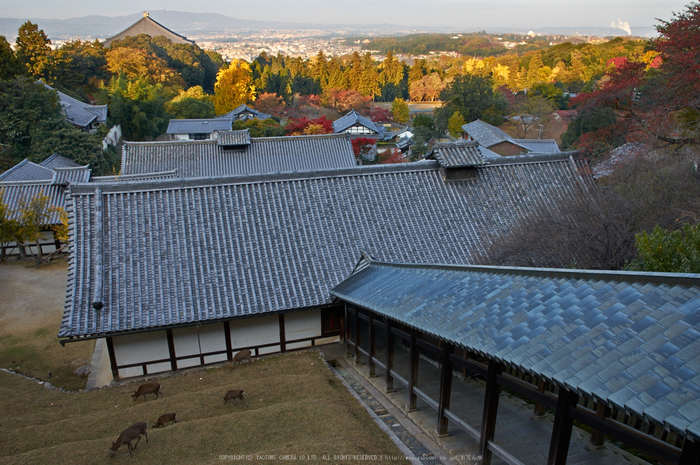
[[132, 432], [148, 388], [165, 418], [234, 394], [244, 354]]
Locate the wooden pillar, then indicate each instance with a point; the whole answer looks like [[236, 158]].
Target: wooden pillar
[[112, 358], [542, 386], [347, 330], [389, 357], [171, 349], [561, 430], [690, 454], [358, 357], [413, 373], [488, 419], [227, 338], [445, 388], [343, 319], [372, 345], [283, 339], [602, 411]]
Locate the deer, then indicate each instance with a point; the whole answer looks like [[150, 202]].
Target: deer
[[132, 432], [165, 418], [148, 388], [234, 394], [244, 354]]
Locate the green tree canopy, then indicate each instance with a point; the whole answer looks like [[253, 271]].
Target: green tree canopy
[[10, 66], [668, 251], [33, 50], [474, 98]]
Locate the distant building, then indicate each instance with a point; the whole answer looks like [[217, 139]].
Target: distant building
[[355, 124], [197, 129], [150, 27], [244, 113], [83, 115], [500, 143]]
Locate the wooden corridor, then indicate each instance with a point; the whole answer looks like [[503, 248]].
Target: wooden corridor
[[472, 415]]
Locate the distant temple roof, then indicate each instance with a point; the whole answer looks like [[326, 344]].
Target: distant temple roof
[[150, 27]]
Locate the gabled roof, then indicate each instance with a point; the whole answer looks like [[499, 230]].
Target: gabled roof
[[65, 176], [59, 161], [81, 113], [232, 247], [136, 177], [630, 340], [237, 112], [27, 171], [15, 192], [148, 26], [252, 155], [539, 145], [461, 154], [486, 134], [194, 126], [352, 118]]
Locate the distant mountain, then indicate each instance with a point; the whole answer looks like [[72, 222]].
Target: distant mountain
[[194, 25]]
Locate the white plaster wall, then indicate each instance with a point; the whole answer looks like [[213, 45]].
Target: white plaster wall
[[298, 325], [213, 339], [256, 331], [185, 342], [141, 347]]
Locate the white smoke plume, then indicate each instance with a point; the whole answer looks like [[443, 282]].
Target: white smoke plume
[[625, 26]]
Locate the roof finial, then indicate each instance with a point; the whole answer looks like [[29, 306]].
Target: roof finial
[[145, 14]]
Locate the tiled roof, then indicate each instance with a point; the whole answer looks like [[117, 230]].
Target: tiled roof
[[16, 192], [27, 171], [231, 138], [81, 113], [178, 252], [352, 118], [65, 176], [630, 340], [194, 126], [136, 177], [262, 155], [458, 154], [539, 145], [148, 26], [59, 161], [243, 108], [485, 134]]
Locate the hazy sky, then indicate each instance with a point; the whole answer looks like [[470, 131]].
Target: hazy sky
[[471, 14]]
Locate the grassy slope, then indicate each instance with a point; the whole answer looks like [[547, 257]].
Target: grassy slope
[[294, 405]]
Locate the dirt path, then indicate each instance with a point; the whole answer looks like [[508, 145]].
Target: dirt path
[[31, 297]]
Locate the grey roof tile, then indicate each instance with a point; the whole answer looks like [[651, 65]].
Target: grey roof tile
[[198, 126], [353, 118], [211, 158], [638, 371]]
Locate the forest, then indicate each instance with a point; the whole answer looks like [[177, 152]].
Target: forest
[[641, 95]]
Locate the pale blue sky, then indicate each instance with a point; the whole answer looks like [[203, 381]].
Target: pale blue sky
[[468, 14]]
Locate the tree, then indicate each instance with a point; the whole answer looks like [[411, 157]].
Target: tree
[[10, 66], [138, 106], [454, 125], [675, 251], [260, 127], [142, 64], [534, 111], [474, 98], [33, 50], [306, 126], [234, 86], [80, 65], [380, 114], [36, 216], [270, 103], [365, 149], [8, 226], [400, 111], [192, 103]]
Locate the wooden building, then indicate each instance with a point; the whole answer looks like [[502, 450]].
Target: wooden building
[[184, 272]]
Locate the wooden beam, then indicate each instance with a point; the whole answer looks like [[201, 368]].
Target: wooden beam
[[347, 330], [283, 339], [227, 338], [372, 346], [171, 349], [445, 388], [389, 357], [542, 386], [358, 356], [413, 372], [112, 358], [602, 412], [563, 425], [488, 419]]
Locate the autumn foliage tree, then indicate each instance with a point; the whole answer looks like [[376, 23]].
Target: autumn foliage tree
[[306, 126], [234, 86]]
